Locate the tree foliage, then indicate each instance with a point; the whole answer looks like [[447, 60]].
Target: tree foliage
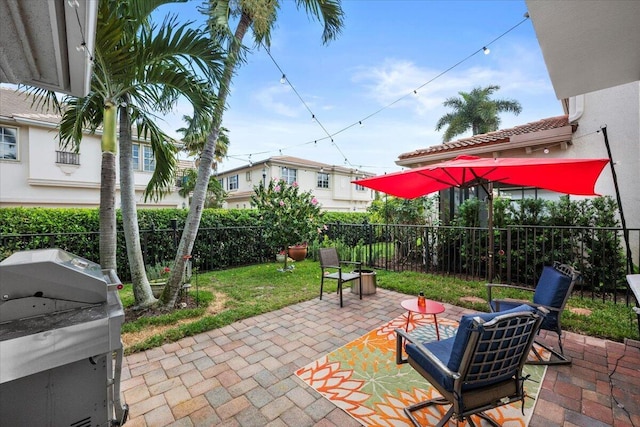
[[290, 216], [475, 110]]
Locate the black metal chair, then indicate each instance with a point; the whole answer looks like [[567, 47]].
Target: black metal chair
[[480, 368], [331, 267], [552, 292]]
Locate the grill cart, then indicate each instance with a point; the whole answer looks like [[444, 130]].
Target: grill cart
[[60, 346]]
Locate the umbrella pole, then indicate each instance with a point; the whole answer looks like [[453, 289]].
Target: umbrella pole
[[625, 230], [490, 265]]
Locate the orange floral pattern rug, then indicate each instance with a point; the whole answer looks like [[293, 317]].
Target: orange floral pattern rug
[[363, 379]]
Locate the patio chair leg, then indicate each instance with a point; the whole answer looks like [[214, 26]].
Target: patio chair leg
[[321, 285], [417, 406], [560, 358], [360, 280], [485, 417]]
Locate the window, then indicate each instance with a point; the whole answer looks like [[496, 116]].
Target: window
[[135, 156], [142, 158], [221, 182], [323, 180], [67, 158], [248, 176], [233, 182], [289, 175], [8, 143], [360, 188], [149, 162]]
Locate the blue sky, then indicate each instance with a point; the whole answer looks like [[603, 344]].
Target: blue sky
[[385, 51]]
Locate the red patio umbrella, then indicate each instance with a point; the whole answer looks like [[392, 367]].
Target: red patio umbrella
[[569, 176]]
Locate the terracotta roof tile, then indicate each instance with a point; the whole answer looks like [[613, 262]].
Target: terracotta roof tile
[[501, 136], [15, 104]]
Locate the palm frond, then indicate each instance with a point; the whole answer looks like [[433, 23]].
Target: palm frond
[[329, 12], [164, 152]]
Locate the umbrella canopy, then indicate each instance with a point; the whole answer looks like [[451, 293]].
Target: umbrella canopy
[[569, 176]]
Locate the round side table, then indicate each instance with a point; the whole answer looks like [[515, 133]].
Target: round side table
[[431, 307]]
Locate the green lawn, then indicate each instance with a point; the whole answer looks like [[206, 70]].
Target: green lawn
[[252, 290]]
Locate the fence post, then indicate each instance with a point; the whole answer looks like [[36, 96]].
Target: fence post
[[508, 254]]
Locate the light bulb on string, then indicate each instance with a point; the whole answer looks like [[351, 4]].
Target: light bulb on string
[[486, 50], [546, 150], [360, 122], [283, 79], [313, 118], [415, 93]]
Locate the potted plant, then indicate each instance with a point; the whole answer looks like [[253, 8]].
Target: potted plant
[[290, 216], [157, 275]]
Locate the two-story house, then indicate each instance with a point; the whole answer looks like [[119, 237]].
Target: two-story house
[[330, 184], [36, 171]]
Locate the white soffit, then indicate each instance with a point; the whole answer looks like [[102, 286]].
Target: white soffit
[[39, 42], [588, 45]]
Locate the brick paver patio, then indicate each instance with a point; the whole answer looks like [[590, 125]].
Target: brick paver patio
[[243, 374]]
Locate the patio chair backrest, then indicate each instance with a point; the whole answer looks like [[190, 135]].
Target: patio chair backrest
[[500, 339], [553, 290], [328, 257]]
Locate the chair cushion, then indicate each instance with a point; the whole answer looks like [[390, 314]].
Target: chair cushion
[[442, 350], [451, 350], [551, 288]]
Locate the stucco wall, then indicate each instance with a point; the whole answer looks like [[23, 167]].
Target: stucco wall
[[617, 108], [36, 180]]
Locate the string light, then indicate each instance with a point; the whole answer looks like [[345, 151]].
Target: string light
[[414, 92]]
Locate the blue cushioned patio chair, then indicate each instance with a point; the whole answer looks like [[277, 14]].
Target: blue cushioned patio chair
[[331, 267], [480, 368], [552, 292]]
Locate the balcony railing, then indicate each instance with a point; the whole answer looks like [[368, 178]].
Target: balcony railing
[[67, 158]]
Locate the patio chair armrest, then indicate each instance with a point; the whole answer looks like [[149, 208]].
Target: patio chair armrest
[[511, 301], [504, 285], [400, 334], [351, 262], [546, 308], [333, 266], [490, 286]]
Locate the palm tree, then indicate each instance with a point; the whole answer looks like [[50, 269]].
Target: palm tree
[[260, 16], [476, 111], [193, 144], [139, 68]]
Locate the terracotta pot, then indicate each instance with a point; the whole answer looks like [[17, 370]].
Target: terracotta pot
[[297, 253]]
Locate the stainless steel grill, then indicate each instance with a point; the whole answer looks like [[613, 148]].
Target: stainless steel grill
[[60, 346]]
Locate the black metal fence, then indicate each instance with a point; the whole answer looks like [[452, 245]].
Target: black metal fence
[[519, 251]]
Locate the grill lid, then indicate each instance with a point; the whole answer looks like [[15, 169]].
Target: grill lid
[[54, 274]]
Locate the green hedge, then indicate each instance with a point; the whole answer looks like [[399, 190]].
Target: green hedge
[[223, 238]]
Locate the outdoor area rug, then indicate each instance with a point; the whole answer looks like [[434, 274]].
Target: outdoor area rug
[[363, 379]]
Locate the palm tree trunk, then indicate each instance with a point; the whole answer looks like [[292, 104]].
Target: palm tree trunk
[[141, 288], [108, 238], [171, 291]]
